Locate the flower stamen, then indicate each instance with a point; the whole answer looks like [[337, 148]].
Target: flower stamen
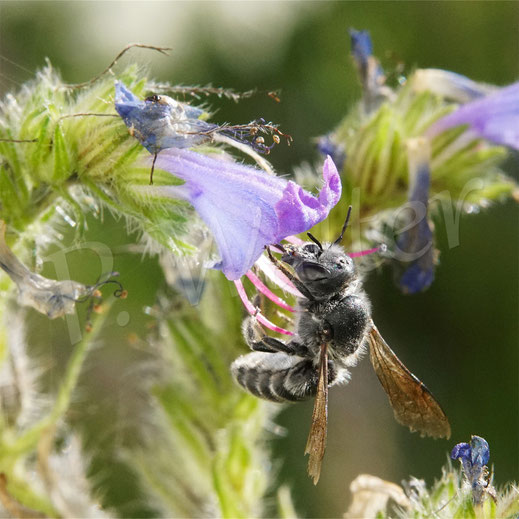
[[255, 311], [256, 281]]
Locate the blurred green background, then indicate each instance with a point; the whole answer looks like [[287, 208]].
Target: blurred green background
[[460, 337]]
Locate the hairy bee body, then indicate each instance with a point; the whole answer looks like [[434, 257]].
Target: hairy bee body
[[332, 329], [341, 322], [277, 377], [337, 314]]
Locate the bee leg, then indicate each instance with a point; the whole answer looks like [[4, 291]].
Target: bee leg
[[290, 348], [297, 283], [333, 372], [258, 341]]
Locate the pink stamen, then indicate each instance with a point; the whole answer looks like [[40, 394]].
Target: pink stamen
[[276, 276], [363, 252], [294, 240], [255, 311], [256, 281]]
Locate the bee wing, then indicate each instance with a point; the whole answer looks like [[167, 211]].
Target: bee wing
[[413, 404], [316, 443]]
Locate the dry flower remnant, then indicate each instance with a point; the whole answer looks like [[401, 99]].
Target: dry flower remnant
[[371, 496], [49, 297], [456, 493]]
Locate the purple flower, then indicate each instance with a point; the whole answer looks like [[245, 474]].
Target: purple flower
[[244, 207], [160, 122], [414, 268], [474, 457], [494, 117]]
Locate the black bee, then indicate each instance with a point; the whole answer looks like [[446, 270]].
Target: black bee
[[333, 328]]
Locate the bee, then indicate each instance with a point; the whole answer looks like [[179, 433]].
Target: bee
[[333, 329]]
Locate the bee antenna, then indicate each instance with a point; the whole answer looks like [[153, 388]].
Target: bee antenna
[[315, 240], [339, 239]]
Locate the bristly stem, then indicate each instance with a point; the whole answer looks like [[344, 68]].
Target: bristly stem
[[29, 439]]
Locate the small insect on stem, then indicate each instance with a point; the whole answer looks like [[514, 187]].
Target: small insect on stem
[[274, 95]]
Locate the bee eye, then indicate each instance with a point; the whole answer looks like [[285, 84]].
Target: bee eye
[[312, 272]]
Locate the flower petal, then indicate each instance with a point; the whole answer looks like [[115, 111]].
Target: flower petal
[[361, 47], [414, 269], [461, 451], [494, 117], [449, 85], [480, 451], [298, 211], [244, 207], [370, 71]]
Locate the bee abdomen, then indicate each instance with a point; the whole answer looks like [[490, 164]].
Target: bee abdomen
[[276, 376]]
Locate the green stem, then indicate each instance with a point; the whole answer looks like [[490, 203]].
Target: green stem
[[30, 503], [29, 439]]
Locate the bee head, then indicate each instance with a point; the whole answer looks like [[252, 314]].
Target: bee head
[[324, 270]]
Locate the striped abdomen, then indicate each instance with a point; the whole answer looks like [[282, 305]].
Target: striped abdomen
[[276, 376]]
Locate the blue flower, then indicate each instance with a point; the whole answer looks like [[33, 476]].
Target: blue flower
[[244, 207], [160, 122], [371, 73], [414, 270], [494, 117], [474, 457], [361, 47]]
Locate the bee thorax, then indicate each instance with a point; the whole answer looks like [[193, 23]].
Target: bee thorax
[[341, 323]]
